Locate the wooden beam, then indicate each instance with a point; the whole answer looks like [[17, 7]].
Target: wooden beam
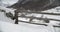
[[56, 26], [38, 24], [39, 18], [32, 23], [39, 13]]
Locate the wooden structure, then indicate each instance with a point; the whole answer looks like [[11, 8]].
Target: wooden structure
[[47, 20]]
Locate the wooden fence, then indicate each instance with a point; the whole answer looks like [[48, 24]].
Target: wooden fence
[[31, 18]]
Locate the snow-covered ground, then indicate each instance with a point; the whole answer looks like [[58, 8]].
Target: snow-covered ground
[[23, 27], [9, 1], [6, 3], [6, 24], [4, 18]]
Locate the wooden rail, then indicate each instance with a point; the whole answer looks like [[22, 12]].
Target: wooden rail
[[33, 23], [38, 24], [41, 13], [56, 26], [16, 17], [39, 18]]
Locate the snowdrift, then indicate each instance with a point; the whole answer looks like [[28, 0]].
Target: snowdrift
[[9, 27]]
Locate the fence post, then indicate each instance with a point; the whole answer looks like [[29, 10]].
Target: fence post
[[16, 17]]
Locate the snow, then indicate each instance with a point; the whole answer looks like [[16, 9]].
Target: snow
[[4, 18], [23, 27], [7, 9], [53, 10], [52, 16], [6, 3], [57, 29]]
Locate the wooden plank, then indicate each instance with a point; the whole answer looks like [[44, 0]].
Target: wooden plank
[[32, 23], [41, 13], [39, 18], [56, 26], [39, 24]]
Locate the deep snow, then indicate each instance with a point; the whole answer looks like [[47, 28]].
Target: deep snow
[[23, 27]]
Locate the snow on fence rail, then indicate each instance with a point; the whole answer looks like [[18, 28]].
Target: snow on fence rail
[[40, 13], [16, 15], [39, 18]]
